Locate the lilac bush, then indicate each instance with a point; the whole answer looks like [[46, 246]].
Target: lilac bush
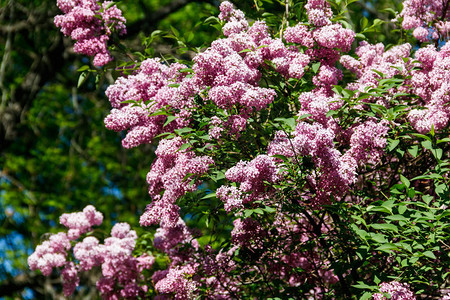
[[293, 162]]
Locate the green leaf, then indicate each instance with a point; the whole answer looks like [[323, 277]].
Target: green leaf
[[183, 130], [379, 238], [414, 150], [82, 79], [186, 70], [109, 5], [245, 50], [169, 119], [427, 145], [366, 296], [379, 209], [270, 209], [388, 227], [209, 196], [83, 68], [184, 147], [387, 247], [377, 22], [364, 22], [360, 36], [364, 286], [405, 181], [397, 218], [212, 19], [204, 137], [390, 10], [259, 211], [429, 254], [279, 156], [422, 136], [289, 122], [315, 67], [393, 144], [429, 176], [444, 140], [402, 209], [437, 153], [248, 212], [128, 101]]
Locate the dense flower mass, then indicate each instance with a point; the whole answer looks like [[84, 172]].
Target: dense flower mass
[[396, 290], [427, 18], [169, 174], [301, 177], [89, 24], [81, 222], [119, 267]]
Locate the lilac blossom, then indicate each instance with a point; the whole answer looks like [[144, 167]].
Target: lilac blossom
[[81, 222], [115, 257], [91, 34], [397, 291]]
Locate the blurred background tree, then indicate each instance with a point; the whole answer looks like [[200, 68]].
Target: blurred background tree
[[56, 155]]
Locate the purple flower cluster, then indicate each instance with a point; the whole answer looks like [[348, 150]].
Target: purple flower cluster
[[50, 254], [149, 87], [397, 291], [90, 24], [428, 19], [252, 177], [81, 222], [119, 266], [323, 43], [247, 233], [168, 174], [429, 81], [373, 57]]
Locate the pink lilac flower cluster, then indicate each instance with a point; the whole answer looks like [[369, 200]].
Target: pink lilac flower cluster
[[181, 247], [81, 222], [248, 233], [373, 57], [90, 24], [427, 18], [323, 42], [337, 170], [429, 81], [167, 239], [119, 266], [169, 174], [252, 177], [174, 282], [235, 19], [319, 12], [150, 88], [217, 268], [50, 254], [397, 291], [230, 67], [215, 132], [334, 173], [368, 141]]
